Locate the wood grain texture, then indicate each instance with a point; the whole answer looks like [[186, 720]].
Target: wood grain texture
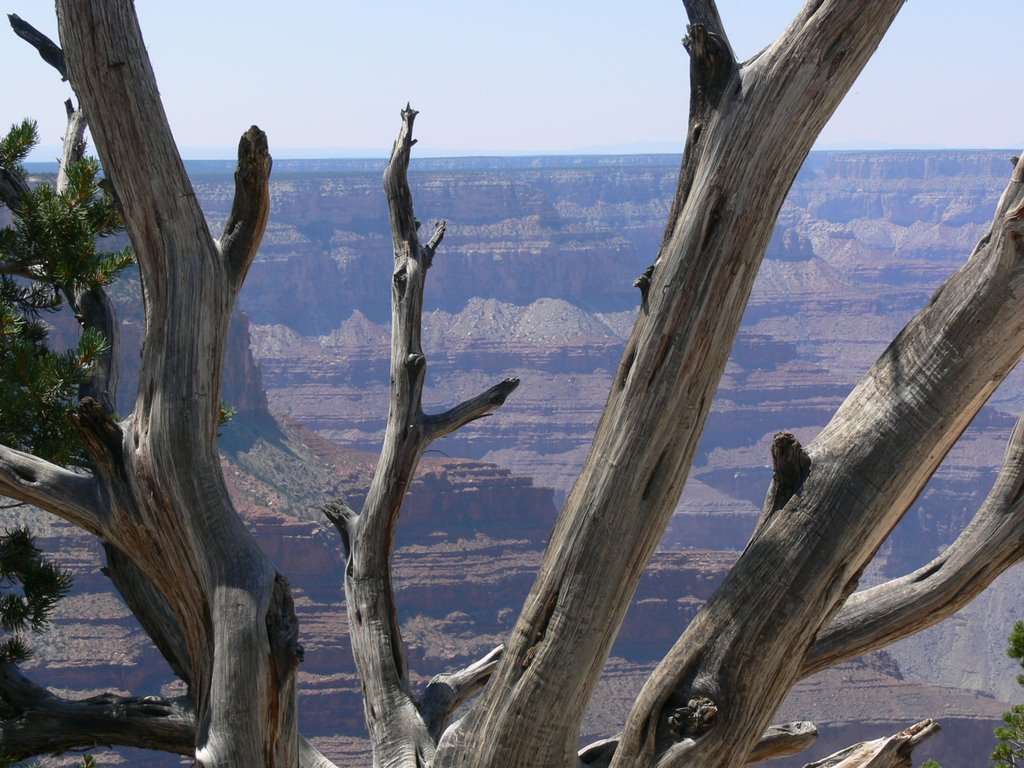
[[402, 735], [891, 752], [169, 510], [745, 148], [48, 723]]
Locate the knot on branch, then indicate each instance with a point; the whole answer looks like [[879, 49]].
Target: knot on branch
[[542, 627], [283, 630], [401, 281], [712, 65], [694, 719], [790, 465], [414, 363], [100, 433], [644, 284], [343, 517]]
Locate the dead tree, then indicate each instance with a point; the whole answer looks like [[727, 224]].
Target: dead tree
[[222, 615]]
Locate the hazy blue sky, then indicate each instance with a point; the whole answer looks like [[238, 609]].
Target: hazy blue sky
[[328, 77]]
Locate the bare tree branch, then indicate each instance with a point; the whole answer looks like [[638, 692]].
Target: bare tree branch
[[891, 752], [69, 495], [866, 468], [74, 142], [446, 692], [712, 66], [251, 206], [344, 519], [173, 515], [442, 424], [396, 729], [777, 741], [311, 757], [782, 741], [434, 243], [47, 723], [991, 543], [50, 52]]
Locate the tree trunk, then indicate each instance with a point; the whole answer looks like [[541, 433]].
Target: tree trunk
[[166, 507], [751, 127]]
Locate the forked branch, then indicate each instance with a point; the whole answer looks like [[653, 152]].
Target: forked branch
[[399, 731], [991, 543], [446, 692]]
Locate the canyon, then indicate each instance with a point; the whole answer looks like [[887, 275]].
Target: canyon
[[535, 280]]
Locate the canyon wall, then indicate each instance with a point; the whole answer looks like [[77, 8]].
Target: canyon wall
[[534, 279]]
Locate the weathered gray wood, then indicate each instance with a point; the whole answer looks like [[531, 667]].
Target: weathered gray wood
[[991, 543], [250, 208], [48, 50], [867, 466], [441, 424], [782, 741], [891, 752], [777, 741], [48, 723], [399, 732], [151, 610], [169, 508], [448, 691], [77, 498], [226, 616], [752, 127]]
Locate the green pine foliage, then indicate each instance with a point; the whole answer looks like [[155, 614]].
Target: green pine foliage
[[1010, 751], [30, 587], [47, 255]]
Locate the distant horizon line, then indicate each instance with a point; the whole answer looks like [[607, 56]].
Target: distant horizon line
[[223, 154]]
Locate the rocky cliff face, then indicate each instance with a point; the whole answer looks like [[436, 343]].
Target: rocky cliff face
[[535, 279]]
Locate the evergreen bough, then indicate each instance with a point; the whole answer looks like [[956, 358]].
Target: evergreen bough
[[1010, 751], [47, 256]]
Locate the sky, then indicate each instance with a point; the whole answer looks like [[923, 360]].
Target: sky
[[327, 78]]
